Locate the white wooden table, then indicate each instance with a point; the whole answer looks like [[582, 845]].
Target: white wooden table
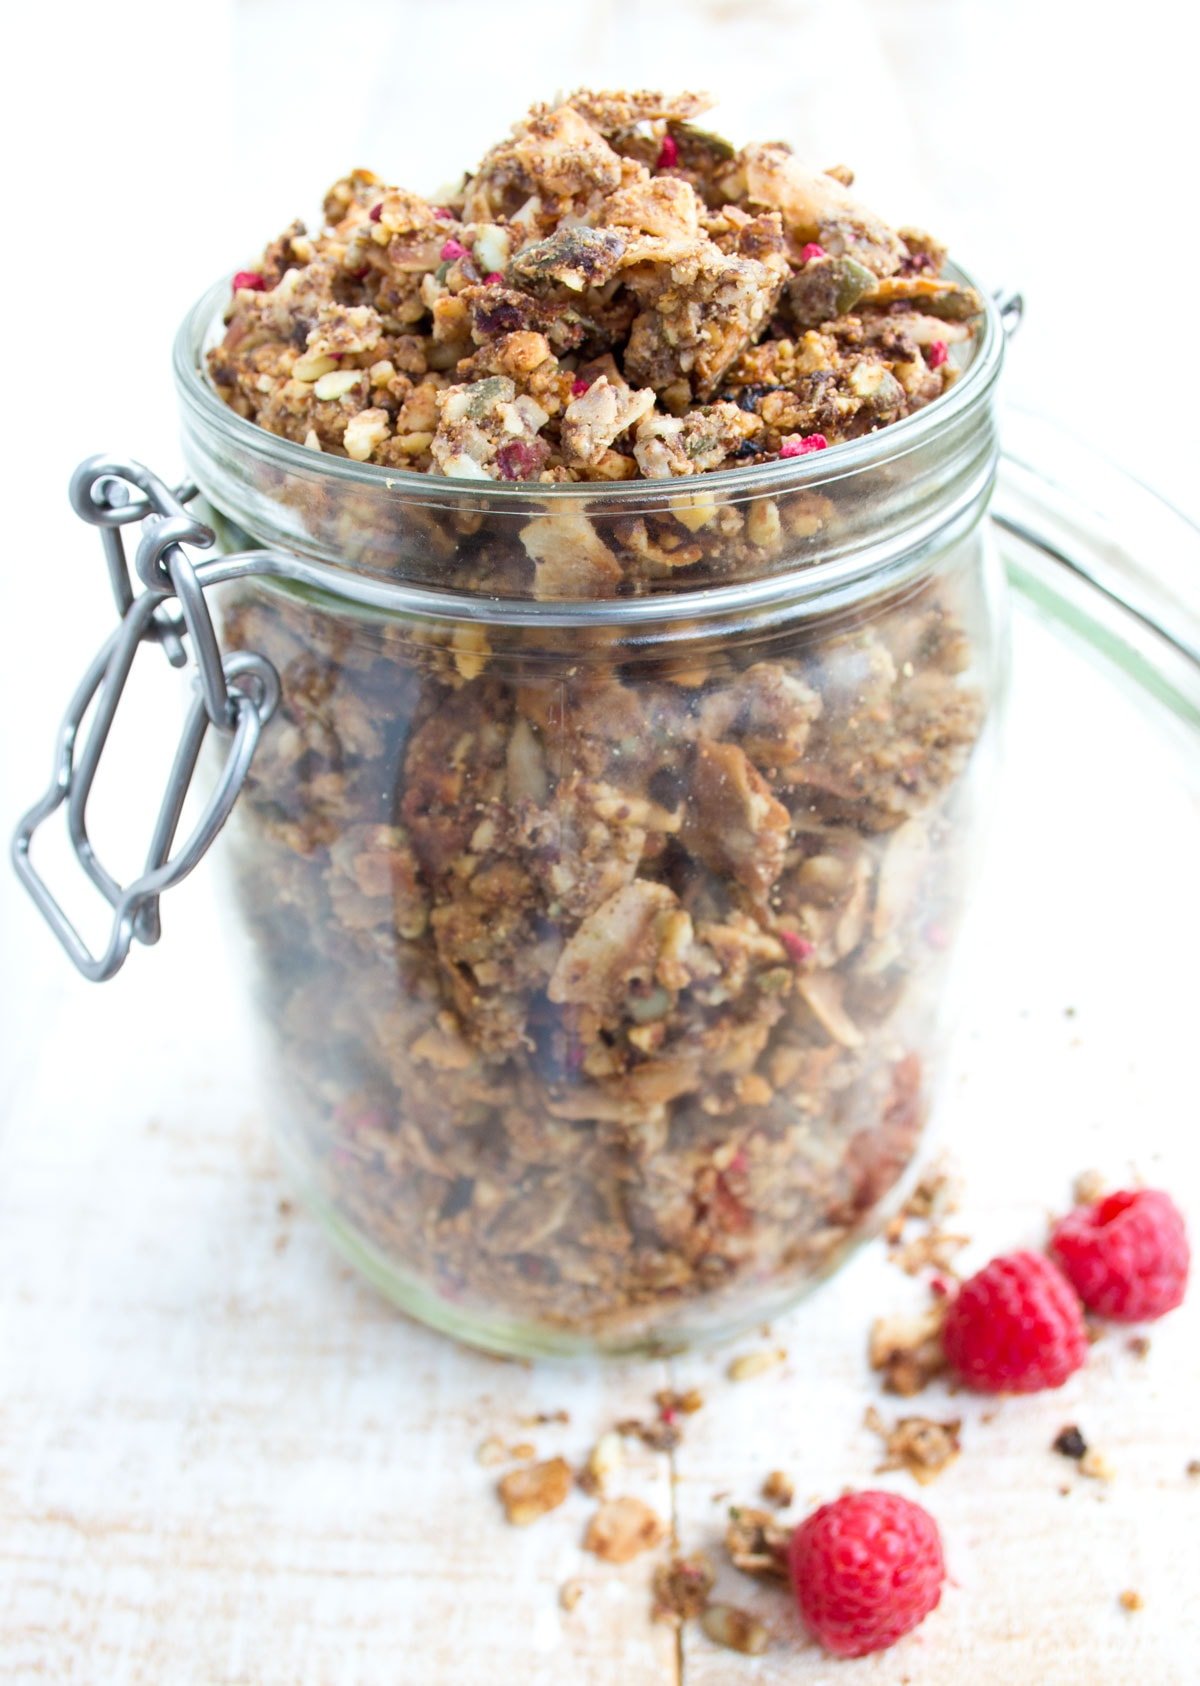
[[222, 1458]]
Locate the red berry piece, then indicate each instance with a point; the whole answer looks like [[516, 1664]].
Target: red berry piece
[[1127, 1257], [937, 354], [579, 386], [794, 446], [811, 251], [1015, 1327], [249, 280], [668, 153], [376, 211], [799, 948], [453, 249], [865, 1570]]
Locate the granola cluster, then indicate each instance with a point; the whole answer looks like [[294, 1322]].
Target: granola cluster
[[614, 293], [604, 971]]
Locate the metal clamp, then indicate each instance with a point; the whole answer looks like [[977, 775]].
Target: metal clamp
[[235, 695]]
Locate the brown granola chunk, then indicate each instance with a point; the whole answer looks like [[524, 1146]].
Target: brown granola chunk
[[622, 1529], [757, 1543], [530, 1492], [681, 1588]]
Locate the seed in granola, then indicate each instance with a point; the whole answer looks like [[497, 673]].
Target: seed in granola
[[681, 1588], [778, 1489], [921, 1445], [532, 1491], [1132, 1601], [1070, 1443], [622, 1529], [736, 1629], [752, 1364], [937, 354]]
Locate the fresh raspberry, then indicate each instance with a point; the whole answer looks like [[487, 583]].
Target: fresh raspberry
[[250, 280], [865, 1570], [1015, 1327], [1127, 1257]]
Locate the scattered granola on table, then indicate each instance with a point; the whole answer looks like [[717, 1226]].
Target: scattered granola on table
[[921, 1445], [681, 1588], [534, 1489], [605, 977], [622, 1529]]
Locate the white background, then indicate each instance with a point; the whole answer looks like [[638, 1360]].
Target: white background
[[147, 148]]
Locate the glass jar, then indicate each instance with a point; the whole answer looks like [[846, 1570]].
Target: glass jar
[[604, 857]]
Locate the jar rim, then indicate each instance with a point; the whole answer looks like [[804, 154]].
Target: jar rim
[[808, 472]]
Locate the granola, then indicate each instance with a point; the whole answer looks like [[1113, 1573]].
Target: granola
[[611, 293], [604, 974]]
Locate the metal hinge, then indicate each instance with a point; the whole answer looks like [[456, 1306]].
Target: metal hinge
[[235, 696]]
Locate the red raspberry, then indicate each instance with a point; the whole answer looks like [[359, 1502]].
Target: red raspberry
[[1127, 1257], [1015, 1327], [865, 1570]]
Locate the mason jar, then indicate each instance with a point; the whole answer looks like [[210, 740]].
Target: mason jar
[[602, 849]]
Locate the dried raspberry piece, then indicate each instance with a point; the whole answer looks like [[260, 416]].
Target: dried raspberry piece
[[799, 948], [453, 249], [937, 354], [494, 278], [579, 387], [795, 446], [248, 280], [866, 1570], [1015, 1327], [520, 460], [1127, 1256], [443, 213], [376, 211], [811, 251], [668, 153]]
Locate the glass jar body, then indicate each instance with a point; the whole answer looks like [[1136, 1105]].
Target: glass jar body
[[603, 977]]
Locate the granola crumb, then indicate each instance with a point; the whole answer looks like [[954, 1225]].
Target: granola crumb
[[936, 1195], [1193, 1468], [1139, 1345], [920, 1445], [659, 1434], [523, 1451], [494, 1451], [569, 1594], [688, 1403], [1131, 1601], [1089, 1187], [1069, 1443], [907, 1350], [1095, 1465], [757, 1543], [622, 1529], [541, 1418], [681, 1588], [736, 1630], [779, 1489], [752, 1364], [604, 1460], [530, 1492]]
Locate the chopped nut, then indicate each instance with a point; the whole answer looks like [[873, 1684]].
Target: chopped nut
[[570, 1593], [778, 1489], [688, 1403], [908, 1350], [736, 1629], [757, 1544], [604, 1460], [623, 1528], [529, 1493], [681, 1588], [1131, 1601], [752, 1364], [920, 1445], [1096, 1465]]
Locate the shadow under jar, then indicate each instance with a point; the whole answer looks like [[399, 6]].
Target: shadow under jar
[[604, 858]]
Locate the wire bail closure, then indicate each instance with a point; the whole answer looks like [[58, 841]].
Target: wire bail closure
[[235, 695]]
